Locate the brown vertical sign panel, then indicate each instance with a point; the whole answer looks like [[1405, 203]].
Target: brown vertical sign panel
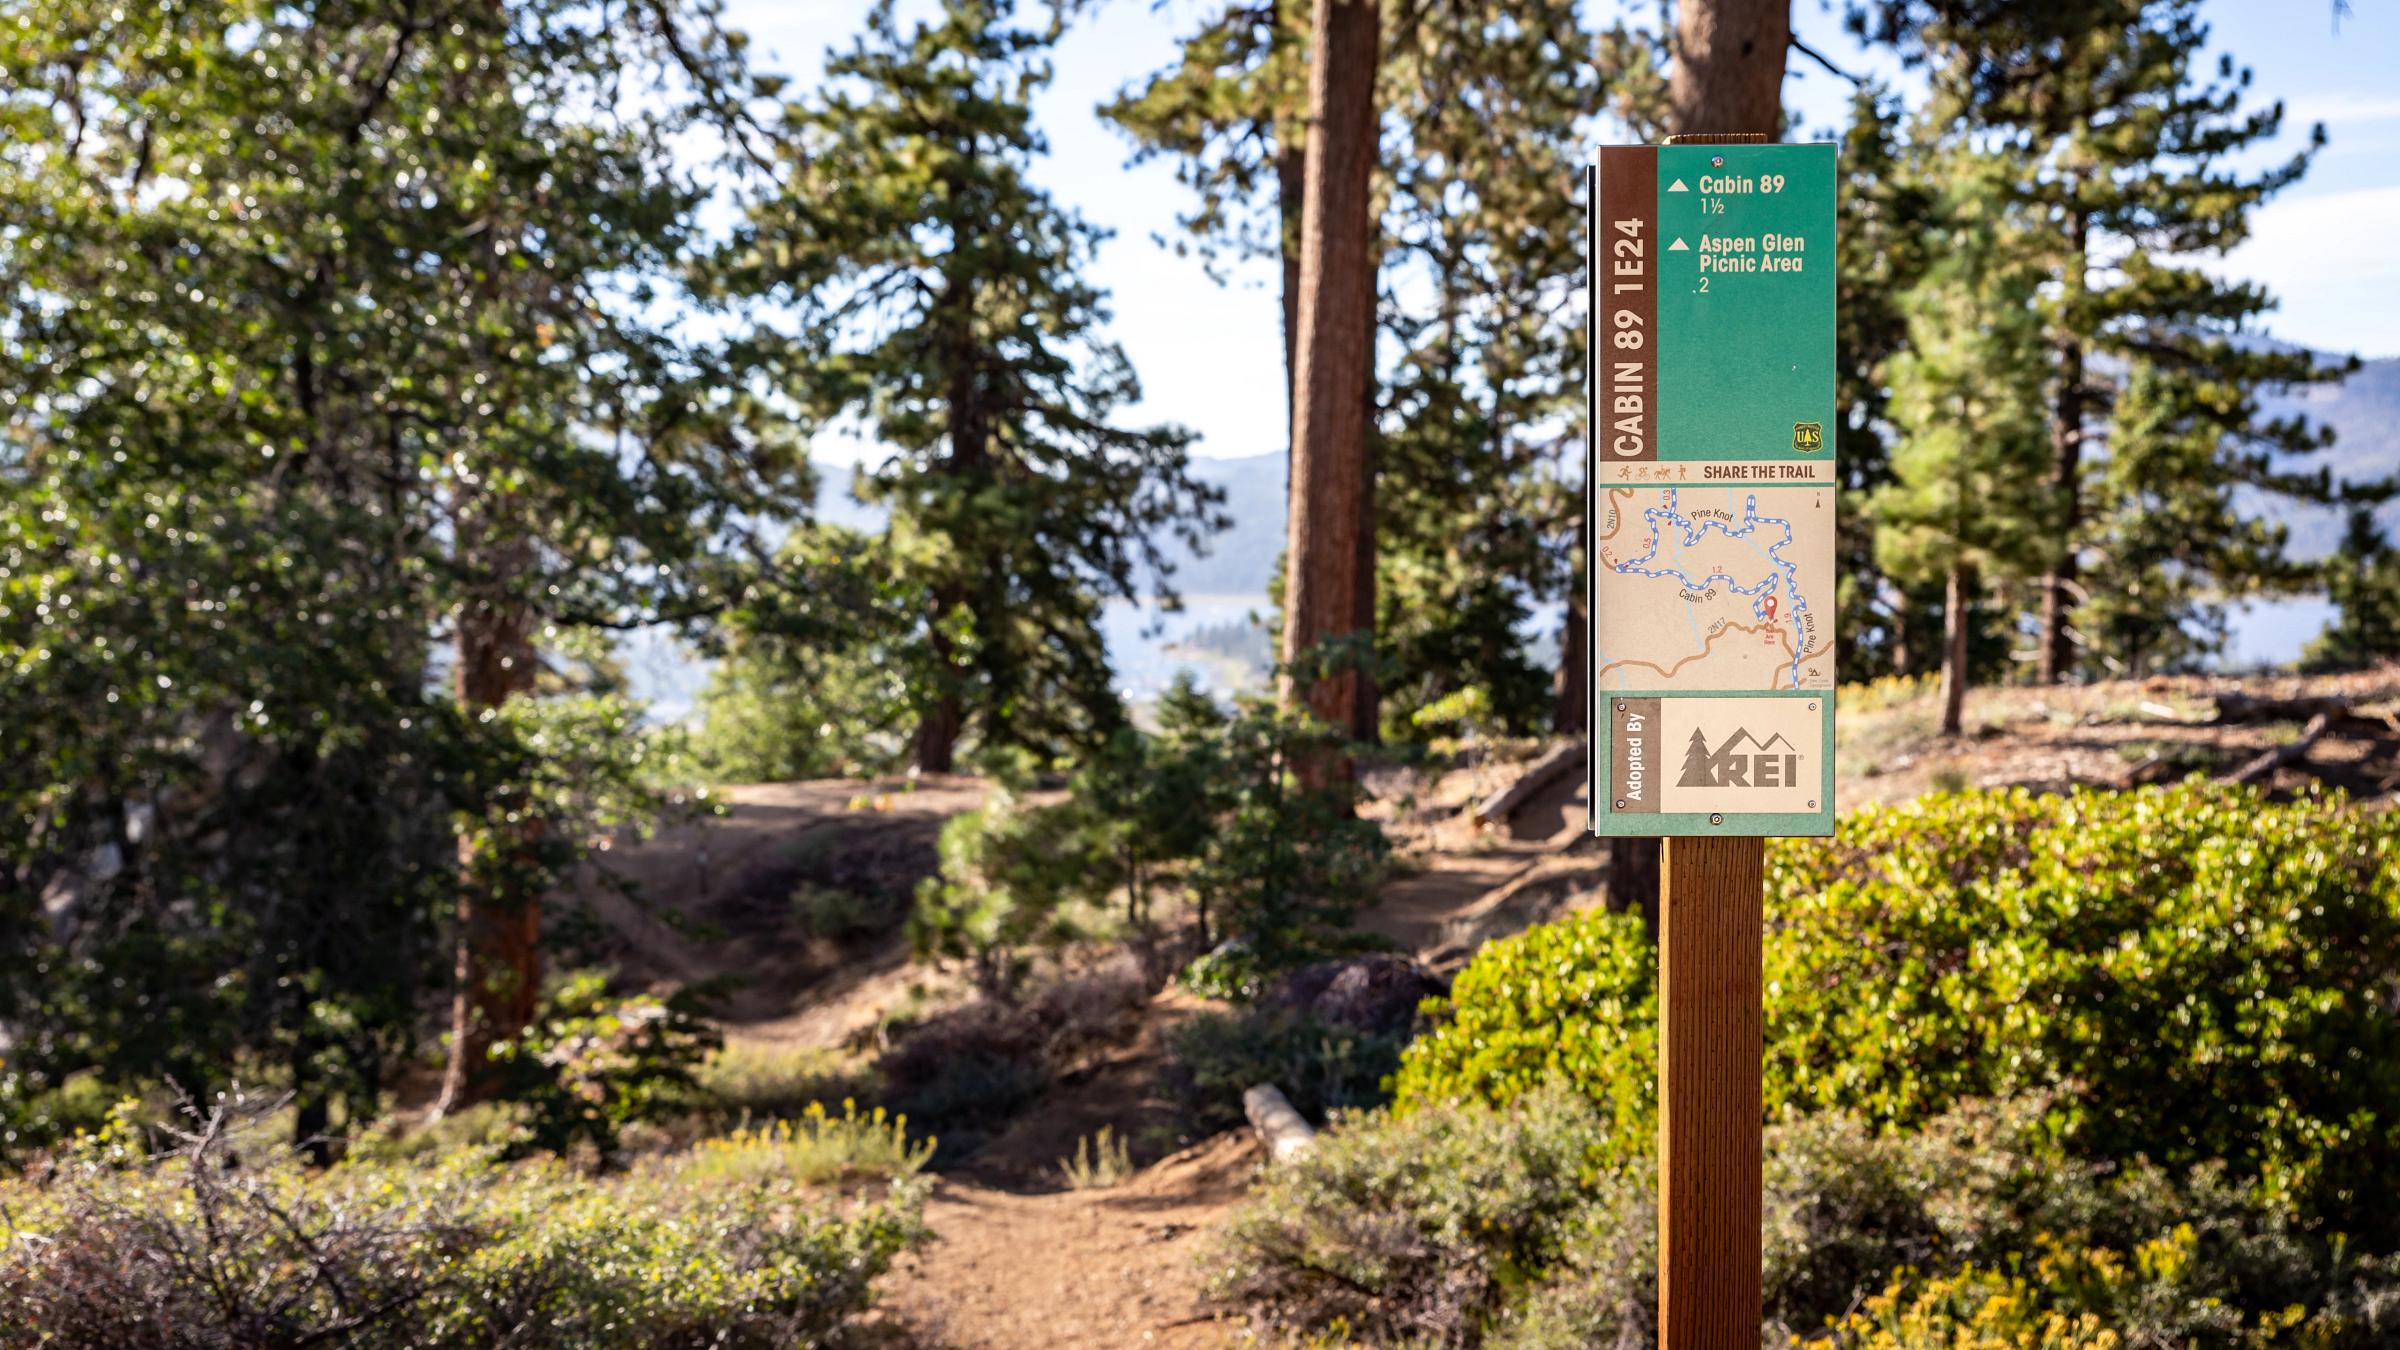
[[1625, 285]]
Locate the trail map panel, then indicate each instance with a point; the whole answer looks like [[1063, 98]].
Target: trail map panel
[[1712, 497]]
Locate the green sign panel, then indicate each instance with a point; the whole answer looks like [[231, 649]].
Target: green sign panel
[[1712, 484]]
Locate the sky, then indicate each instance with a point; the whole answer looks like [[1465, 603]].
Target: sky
[[1209, 354]]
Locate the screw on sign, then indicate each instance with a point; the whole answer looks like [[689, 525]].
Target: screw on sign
[[1712, 602]]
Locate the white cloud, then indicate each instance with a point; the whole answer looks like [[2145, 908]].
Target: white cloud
[[2329, 259], [2347, 108]]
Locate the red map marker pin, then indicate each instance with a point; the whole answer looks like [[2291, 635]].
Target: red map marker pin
[[1770, 609]]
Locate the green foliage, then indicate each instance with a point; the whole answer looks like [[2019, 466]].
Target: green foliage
[[937, 293], [1007, 875], [592, 1064], [730, 1247], [1204, 814], [813, 1147], [328, 328], [2363, 581], [1417, 1228], [2131, 151], [1575, 1000], [808, 682], [1463, 1224], [1321, 1067], [1966, 497], [1991, 943]]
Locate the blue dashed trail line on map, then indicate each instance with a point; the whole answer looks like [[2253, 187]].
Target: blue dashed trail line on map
[[1760, 593]]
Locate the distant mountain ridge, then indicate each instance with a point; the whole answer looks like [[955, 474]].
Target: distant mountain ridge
[[1239, 561], [2364, 413]]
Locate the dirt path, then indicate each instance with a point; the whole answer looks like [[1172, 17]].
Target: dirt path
[[1111, 1267]]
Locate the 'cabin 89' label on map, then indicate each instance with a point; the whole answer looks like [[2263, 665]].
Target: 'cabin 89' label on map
[[1712, 489]]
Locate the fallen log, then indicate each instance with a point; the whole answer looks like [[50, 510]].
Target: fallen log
[[2239, 707], [1282, 1129], [1537, 776], [2282, 755]]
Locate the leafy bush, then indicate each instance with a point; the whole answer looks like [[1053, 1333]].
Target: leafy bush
[[816, 1146], [594, 1064], [2188, 973], [1009, 871], [1321, 1066], [107, 1249], [1418, 1225], [1204, 816], [964, 1072], [1468, 1224], [1575, 1000]]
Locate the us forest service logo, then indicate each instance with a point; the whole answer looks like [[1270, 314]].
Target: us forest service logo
[[1808, 437], [1742, 761]]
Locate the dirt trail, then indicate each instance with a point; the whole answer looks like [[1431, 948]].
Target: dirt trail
[[1019, 1261], [1063, 1270]]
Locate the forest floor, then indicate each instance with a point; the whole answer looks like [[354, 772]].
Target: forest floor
[[1021, 1260]]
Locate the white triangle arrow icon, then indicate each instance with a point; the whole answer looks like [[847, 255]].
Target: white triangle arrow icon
[[1679, 247], [1678, 186]]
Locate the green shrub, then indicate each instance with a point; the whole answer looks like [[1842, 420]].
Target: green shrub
[[2188, 973], [1465, 1224], [1417, 1226], [1575, 1000], [105, 1249], [1204, 818], [594, 1064], [1320, 1066]]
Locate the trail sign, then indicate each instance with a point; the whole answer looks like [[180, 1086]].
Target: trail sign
[[1711, 489]]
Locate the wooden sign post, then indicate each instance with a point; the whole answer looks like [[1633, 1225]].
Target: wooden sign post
[[1709, 921], [1711, 526]]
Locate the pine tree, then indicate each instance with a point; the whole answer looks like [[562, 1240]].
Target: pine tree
[[938, 299], [1473, 445], [2128, 157], [2362, 578], [325, 336], [1884, 247], [1965, 504]]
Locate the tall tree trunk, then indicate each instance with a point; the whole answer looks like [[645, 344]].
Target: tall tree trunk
[[498, 966], [1328, 565], [1727, 81], [934, 749], [1728, 76], [939, 725], [1904, 655], [2066, 482], [1958, 601], [1291, 194]]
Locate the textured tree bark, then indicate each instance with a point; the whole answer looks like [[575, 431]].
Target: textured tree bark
[[1291, 192], [1326, 584], [498, 965], [2066, 487], [1710, 1049], [1728, 72], [1957, 604]]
